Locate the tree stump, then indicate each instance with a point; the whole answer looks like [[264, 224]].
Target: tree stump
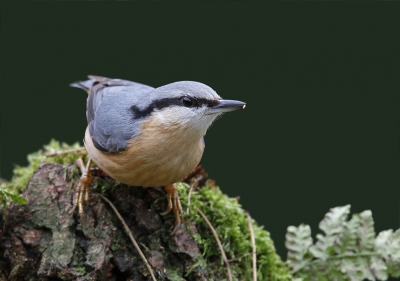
[[42, 241]]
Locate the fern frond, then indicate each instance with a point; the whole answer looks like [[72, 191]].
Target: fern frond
[[331, 225], [346, 241], [387, 244], [348, 250], [366, 232], [298, 242]]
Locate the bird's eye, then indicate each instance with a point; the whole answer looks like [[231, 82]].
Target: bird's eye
[[186, 101]]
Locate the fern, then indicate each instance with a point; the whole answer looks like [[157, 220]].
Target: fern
[[347, 249], [298, 242]]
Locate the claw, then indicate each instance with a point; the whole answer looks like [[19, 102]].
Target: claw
[[174, 204], [83, 186]]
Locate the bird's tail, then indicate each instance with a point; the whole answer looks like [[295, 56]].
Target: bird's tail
[[87, 85]]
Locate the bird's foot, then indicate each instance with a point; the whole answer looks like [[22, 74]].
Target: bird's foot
[[174, 204], [83, 186]]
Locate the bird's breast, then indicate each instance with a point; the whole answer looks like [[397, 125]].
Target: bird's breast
[[156, 157]]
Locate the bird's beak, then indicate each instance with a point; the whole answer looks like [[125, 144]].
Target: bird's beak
[[221, 106]]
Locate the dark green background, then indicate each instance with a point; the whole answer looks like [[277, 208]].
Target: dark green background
[[320, 80]]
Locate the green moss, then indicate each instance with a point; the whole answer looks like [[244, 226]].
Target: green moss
[[102, 185], [80, 270], [230, 222], [117, 240], [22, 174]]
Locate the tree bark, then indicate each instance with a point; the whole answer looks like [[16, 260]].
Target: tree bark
[[42, 241]]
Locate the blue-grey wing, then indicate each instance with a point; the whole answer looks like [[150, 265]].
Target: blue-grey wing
[[111, 120]]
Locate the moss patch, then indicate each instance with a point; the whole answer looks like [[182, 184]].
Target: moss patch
[[230, 222], [21, 174]]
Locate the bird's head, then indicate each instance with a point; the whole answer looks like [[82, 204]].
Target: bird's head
[[189, 106]]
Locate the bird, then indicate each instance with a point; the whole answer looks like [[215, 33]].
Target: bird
[[145, 136]]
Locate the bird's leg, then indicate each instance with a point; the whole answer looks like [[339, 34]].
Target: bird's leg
[[174, 204], [83, 185]]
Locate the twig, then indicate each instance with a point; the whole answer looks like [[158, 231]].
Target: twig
[[192, 186], [130, 236], [57, 152], [218, 242], [253, 247]]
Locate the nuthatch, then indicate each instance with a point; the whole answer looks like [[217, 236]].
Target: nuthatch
[[145, 136]]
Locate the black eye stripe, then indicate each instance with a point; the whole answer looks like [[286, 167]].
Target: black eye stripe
[[201, 102], [167, 102], [212, 103]]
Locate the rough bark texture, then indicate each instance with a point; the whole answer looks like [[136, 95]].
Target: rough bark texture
[[41, 241]]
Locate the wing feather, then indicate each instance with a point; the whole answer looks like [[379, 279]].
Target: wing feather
[[108, 113]]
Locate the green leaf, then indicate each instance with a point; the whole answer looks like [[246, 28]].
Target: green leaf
[[356, 268], [15, 198], [331, 225], [381, 243], [379, 268], [388, 244], [298, 242], [346, 241], [366, 232]]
